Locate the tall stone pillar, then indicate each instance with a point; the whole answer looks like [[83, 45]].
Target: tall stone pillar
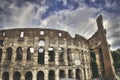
[[34, 75], [74, 73], [56, 57], [57, 74], [82, 74], [0, 76], [46, 75], [46, 51], [3, 56], [46, 57], [109, 71], [11, 76], [66, 73], [22, 76], [65, 56]]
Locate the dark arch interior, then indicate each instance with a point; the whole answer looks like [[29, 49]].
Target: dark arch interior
[[19, 53], [78, 74], [40, 75], [5, 76], [69, 56], [0, 54], [61, 55], [51, 55], [70, 73], [62, 74], [41, 54], [9, 54], [28, 54], [16, 76], [51, 75], [28, 76]]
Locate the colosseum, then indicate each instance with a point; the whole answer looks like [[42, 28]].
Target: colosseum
[[46, 54]]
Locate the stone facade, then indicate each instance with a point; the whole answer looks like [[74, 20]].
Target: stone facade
[[45, 54]]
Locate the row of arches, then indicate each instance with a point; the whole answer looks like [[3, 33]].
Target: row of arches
[[41, 75], [41, 54]]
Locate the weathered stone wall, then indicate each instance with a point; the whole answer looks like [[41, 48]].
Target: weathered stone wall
[[56, 39]]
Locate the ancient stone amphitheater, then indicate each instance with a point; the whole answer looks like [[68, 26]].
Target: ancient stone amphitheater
[[45, 54]]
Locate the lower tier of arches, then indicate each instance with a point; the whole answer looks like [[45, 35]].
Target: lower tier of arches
[[75, 74]]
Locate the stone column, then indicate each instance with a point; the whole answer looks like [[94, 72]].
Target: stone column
[[10, 75], [57, 74], [74, 73], [22, 76], [66, 73], [0, 76], [24, 54], [34, 75], [3, 55], [65, 56], [56, 57], [46, 51], [46, 57], [46, 75], [73, 57], [35, 54], [86, 71], [82, 75]]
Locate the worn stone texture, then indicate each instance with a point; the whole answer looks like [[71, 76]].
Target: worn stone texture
[[73, 49]]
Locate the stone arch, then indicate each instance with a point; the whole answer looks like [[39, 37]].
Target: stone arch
[[16, 76], [28, 75], [41, 43], [40, 75], [78, 72], [9, 53], [1, 54], [61, 55], [51, 75], [5, 76], [51, 53], [70, 74], [30, 50], [41, 55], [61, 74], [19, 53]]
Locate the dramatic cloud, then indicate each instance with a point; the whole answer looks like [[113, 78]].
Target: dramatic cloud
[[74, 16]]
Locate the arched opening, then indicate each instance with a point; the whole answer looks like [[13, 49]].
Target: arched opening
[[40, 75], [78, 74], [69, 57], [62, 74], [61, 56], [0, 54], [28, 76], [51, 54], [9, 54], [41, 43], [16, 75], [94, 65], [41, 56], [70, 74], [30, 50], [51, 75], [19, 53], [5, 76]]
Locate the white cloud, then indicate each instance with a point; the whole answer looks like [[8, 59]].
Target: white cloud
[[79, 21]]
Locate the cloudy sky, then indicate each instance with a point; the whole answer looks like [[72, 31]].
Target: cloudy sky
[[74, 16]]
